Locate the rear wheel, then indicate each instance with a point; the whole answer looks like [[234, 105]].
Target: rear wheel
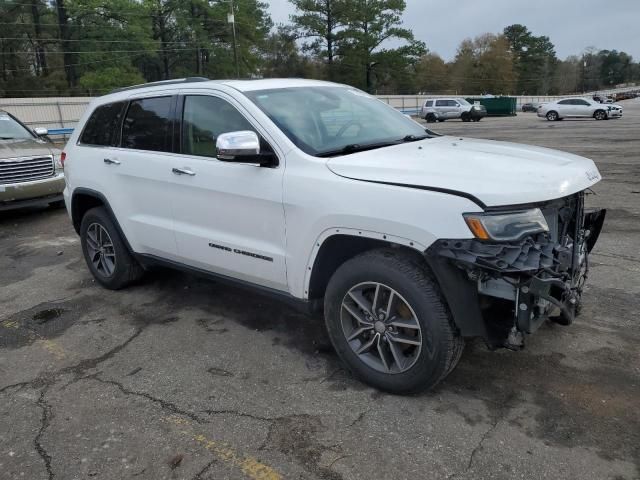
[[552, 116], [430, 118], [389, 324], [104, 251], [600, 115]]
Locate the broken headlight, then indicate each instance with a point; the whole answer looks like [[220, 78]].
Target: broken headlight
[[506, 226]]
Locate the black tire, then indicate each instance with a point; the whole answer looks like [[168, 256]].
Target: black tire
[[552, 116], [600, 115], [411, 280], [465, 117], [477, 119], [430, 118], [441, 120], [126, 270]]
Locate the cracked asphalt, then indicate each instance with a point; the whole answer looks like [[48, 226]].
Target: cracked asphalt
[[183, 378]]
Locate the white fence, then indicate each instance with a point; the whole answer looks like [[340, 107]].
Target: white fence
[[64, 112]]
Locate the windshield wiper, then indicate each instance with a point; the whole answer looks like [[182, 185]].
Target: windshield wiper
[[355, 147], [414, 138], [7, 138]]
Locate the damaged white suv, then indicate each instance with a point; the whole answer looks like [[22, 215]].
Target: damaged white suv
[[322, 195]]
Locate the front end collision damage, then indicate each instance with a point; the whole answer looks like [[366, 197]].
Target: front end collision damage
[[501, 291]]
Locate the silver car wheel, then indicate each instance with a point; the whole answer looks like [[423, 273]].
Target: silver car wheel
[[381, 327], [100, 249]]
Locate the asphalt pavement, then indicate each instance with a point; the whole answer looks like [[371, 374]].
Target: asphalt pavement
[[184, 378]]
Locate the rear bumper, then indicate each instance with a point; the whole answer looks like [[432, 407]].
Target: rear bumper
[[36, 192], [503, 291]]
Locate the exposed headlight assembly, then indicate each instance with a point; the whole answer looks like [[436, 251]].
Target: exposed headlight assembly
[[506, 226]]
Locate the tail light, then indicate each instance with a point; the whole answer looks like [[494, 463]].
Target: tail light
[[63, 157]]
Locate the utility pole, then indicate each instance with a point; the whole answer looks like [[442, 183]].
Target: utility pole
[[231, 18]]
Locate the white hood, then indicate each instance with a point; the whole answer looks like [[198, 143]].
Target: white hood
[[496, 173]]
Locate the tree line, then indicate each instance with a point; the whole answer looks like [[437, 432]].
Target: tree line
[[80, 47]]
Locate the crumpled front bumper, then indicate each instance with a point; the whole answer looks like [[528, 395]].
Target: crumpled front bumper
[[530, 280]]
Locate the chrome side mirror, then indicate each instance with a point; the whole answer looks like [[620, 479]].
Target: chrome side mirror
[[41, 131], [242, 146]]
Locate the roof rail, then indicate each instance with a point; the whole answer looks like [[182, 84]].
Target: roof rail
[[162, 82]]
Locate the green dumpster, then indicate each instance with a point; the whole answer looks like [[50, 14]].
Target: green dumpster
[[497, 106]]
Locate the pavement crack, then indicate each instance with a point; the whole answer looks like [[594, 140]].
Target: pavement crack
[[359, 418], [497, 418], [237, 413], [89, 363], [199, 475], [45, 419], [164, 404], [18, 385]]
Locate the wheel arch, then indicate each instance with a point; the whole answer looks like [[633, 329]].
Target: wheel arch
[[337, 245], [83, 200]]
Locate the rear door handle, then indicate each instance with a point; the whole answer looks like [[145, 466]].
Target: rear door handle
[[183, 171], [111, 161]]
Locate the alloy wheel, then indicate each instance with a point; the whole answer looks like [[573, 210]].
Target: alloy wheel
[[100, 249], [381, 327]]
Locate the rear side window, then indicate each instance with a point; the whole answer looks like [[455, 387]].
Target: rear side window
[[147, 125], [103, 126], [441, 103], [429, 103]]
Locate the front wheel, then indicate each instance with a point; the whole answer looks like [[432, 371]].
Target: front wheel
[[552, 116], [389, 324], [465, 117], [600, 115]]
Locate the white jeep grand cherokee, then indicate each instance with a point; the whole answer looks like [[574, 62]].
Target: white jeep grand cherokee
[[320, 194]]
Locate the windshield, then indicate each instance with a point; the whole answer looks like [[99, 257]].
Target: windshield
[[462, 101], [335, 120], [11, 130]]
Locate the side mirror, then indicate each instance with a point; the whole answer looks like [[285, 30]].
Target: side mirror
[[40, 131], [243, 147]]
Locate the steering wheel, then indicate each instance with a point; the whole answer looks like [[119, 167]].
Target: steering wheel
[[346, 126]]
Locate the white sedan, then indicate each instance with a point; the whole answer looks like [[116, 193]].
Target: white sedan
[[578, 108]]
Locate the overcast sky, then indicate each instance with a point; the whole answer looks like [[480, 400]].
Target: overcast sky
[[572, 25]]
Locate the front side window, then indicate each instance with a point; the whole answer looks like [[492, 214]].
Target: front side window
[[322, 120], [147, 125], [12, 130], [103, 126], [584, 103], [565, 102], [203, 119]]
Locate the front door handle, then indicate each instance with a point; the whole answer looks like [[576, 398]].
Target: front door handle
[[183, 171], [111, 161]]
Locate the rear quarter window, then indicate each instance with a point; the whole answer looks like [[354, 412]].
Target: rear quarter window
[[103, 126]]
